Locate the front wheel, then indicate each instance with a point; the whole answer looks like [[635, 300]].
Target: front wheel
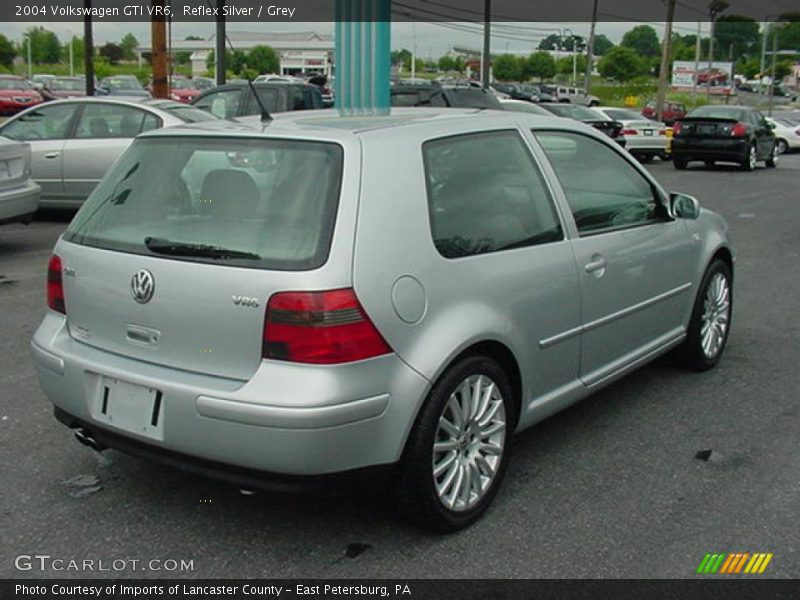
[[772, 161], [457, 453], [710, 322], [680, 163], [782, 146]]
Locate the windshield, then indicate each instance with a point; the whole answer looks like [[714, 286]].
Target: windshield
[[122, 84], [68, 84], [621, 114], [182, 84], [242, 202], [717, 112], [10, 83]]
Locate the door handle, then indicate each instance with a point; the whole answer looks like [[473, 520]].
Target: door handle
[[52, 155], [597, 264]]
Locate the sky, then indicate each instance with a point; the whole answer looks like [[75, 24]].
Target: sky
[[432, 39]]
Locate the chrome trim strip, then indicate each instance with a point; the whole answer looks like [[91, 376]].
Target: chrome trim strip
[[570, 333]]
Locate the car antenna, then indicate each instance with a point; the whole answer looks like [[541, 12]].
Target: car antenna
[[265, 116]]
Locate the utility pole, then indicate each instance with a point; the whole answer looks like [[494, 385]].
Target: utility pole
[[715, 8], [590, 50], [219, 44], [763, 58], [774, 65], [158, 36], [88, 48], [30, 62], [665, 52], [487, 45], [72, 56], [574, 62], [697, 47]]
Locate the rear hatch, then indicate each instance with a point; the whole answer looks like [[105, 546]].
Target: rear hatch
[[173, 257], [14, 160]]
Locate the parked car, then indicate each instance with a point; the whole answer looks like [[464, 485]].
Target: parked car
[[524, 106], [673, 111], [121, 85], [787, 135], [213, 307], [325, 88], [610, 127], [575, 95], [59, 88], [644, 138], [16, 94], [40, 80], [237, 100], [74, 142], [453, 96], [517, 91], [738, 134], [183, 90], [19, 194]]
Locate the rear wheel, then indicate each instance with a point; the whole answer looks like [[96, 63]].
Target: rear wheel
[[680, 163], [750, 160], [457, 453], [710, 321], [645, 158], [772, 161], [782, 146]]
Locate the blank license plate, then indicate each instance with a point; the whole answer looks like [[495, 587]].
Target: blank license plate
[[131, 407]]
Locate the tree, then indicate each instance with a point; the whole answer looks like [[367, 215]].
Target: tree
[[235, 61], [447, 63], [622, 64], [558, 42], [789, 33], [782, 69], [602, 44], [77, 50], [540, 64], [401, 56], [7, 52], [508, 67], [643, 39], [45, 47], [736, 35], [263, 59], [551, 42], [112, 52], [749, 67], [129, 44], [564, 65]]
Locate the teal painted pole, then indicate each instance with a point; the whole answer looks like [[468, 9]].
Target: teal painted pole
[[363, 56]]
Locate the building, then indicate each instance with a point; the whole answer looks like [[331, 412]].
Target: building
[[300, 52]]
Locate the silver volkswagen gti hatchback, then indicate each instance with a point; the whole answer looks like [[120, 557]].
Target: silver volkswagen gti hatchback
[[321, 298]]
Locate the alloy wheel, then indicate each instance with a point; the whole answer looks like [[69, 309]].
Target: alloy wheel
[[469, 443], [716, 315]]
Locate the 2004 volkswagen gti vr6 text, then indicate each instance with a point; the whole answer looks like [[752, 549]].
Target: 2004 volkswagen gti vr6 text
[[318, 298]]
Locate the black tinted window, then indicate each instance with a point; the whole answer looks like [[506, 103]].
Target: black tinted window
[[485, 194]]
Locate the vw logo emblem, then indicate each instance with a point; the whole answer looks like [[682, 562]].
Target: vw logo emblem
[[142, 286]]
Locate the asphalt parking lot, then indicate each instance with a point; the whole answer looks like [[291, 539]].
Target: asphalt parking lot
[[609, 488]]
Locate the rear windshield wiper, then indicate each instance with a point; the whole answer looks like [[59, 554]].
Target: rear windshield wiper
[[172, 248]]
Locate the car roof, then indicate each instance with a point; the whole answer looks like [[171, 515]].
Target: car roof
[[329, 125]]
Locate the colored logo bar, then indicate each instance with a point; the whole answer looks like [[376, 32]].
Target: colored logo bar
[[734, 563]]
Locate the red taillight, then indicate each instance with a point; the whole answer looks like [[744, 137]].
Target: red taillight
[[320, 327], [797, 131], [739, 130], [677, 128], [628, 132], [662, 132], [55, 286]]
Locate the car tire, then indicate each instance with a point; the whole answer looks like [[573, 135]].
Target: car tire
[[645, 158], [680, 163], [443, 441], [750, 159], [782, 146], [710, 322], [772, 161]]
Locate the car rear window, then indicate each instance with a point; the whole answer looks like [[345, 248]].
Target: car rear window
[[718, 112], [262, 203]]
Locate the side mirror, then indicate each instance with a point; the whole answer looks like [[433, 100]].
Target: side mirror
[[771, 125], [683, 206]]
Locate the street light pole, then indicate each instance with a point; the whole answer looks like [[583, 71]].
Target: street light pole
[[590, 50], [774, 65], [715, 8], [763, 58], [487, 46], [663, 72]]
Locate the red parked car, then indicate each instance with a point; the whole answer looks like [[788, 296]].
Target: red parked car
[[16, 94], [61, 88], [673, 111]]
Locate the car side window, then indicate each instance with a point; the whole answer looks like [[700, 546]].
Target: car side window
[[603, 189], [223, 104], [100, 121], [45, 123], [486, 194], [150, 122]]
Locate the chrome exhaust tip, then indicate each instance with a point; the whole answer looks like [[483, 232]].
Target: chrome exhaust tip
[[85, 437]]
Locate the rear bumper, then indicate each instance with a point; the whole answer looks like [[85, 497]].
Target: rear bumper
[[734, 150], [19, 204], [287, 419]]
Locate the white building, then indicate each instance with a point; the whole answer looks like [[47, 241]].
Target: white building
[[300, 52]]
